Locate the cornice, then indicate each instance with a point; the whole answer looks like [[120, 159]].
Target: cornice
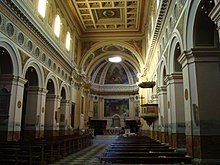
[[74, 20], [32, 27], [131, 89], [113, 93], [113, 35], [159, 23], [161, 18]]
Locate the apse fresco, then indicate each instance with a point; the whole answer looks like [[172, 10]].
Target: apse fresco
[[95, 69], [116, 106], [97, 79], [116, 75]]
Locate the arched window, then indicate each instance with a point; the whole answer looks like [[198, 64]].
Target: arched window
[[68, 41], [152, 23], [42, 7], [57, 26], [158, 2]]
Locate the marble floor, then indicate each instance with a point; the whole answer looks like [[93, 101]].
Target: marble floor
[[86, 156]]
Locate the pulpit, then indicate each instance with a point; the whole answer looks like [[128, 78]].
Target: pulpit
[[149, 113]]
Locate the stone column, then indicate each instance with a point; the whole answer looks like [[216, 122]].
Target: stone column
[[16, 86], [64, 117], [52, 115], [34, 112], [162, 105], [176, 110], [201, 76], [156, 126], [169, 112], [41, 112]]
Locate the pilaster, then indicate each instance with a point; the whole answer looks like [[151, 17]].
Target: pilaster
[[201, 101]]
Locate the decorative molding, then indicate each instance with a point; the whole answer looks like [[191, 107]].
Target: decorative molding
[[114, 88], [32, 28]]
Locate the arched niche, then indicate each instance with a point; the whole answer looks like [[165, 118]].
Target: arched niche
[[29, 108], [50, 87], [116, 121], [6, 66], [205, 33], [32, 77], [176, 64]]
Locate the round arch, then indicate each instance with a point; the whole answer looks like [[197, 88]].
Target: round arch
[[189, 22], [38, 69], [103, 57], [55, 82], [67, 91], [175, 39], [162, 68], [102, 44], [14, 54]]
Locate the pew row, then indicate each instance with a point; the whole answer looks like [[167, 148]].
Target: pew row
[[141, 160], [42, 151], [131, 150]]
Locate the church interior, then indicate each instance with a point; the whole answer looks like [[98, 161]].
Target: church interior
[[139, 71]]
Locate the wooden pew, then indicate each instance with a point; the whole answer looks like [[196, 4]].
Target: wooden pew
[[139, 147], [11, 156], [141, 150], [141, 160], [139, 144], [146, 154], [42, 151], [16, 153]]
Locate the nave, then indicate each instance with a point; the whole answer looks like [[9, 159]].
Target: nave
[[102, 149], [57, 77], [126, 150]]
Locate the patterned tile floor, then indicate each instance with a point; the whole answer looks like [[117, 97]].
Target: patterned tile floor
[[84, 157]]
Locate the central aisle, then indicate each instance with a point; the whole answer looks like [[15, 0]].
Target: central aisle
[[89, 154], [83, 157]]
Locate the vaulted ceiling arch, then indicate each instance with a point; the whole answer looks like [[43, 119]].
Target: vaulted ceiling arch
[[107, 49]]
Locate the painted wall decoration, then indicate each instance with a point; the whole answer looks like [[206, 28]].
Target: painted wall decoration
[[97, 79], [95, 69], [116, 106], [116, 75]]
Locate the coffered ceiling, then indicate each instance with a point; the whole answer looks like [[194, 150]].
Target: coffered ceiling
[[110, 15]]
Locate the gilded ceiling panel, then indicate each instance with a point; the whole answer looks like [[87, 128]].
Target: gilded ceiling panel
[[109, 15]]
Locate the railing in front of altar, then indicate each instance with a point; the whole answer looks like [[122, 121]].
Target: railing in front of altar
[[112, 131]]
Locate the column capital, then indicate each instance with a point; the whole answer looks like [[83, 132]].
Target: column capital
[[10, 78], [65, 101], [185, 57], [199, 55], [176, 77], [162, 89], [37, 90], [52, 96]]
